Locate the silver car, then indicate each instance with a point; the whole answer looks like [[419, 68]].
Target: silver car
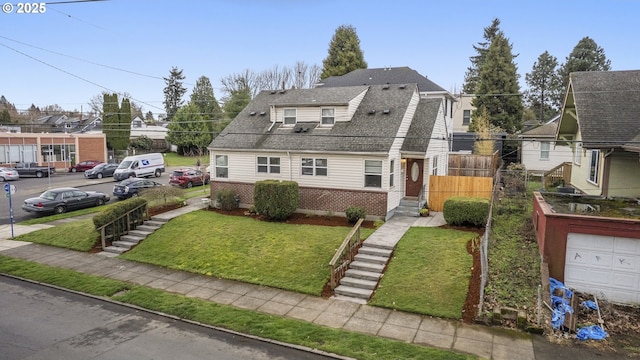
[[7, 174]]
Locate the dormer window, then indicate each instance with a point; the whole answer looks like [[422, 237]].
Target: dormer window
[[328, 116], [290, 116]]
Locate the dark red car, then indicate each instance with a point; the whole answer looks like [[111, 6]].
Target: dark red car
[[187, 178], [84, 165]]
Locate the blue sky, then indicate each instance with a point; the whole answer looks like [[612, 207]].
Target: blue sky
[[53, 58]]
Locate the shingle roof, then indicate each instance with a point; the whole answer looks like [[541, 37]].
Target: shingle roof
[[547, 130], [381, 76], [421, 128], [607, 106], [366, 132]]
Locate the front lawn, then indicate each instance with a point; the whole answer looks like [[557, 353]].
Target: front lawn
[[280, 255], [428, 274], [79, 235]]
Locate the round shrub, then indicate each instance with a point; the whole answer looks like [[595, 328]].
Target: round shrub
[[226, 199], [354, 213]]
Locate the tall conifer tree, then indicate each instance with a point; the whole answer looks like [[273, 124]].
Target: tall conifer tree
[[345, 54]]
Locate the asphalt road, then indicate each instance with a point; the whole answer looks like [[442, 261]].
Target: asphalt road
[[38, 322], [32, 187]]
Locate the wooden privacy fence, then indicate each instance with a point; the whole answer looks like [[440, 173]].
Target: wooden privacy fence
[[345, 254], [473, 165], [443, 187]]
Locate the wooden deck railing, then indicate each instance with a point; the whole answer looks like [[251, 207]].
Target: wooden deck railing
[[345, 254], [123, 224], [560, 173]]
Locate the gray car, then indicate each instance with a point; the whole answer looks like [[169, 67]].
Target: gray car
[[58, 201], [7, 174], [101, 170]]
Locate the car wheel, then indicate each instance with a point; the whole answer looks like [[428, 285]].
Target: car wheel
[[39, 174], [135, 194], [74, 169], [59, 209], [158, 173], [2, 179], [189, 185], [100, 202], [132, 175], [99, 175]]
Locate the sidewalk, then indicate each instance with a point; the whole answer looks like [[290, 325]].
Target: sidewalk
[[477, 340]]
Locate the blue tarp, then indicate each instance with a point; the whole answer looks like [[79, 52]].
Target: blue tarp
[[594, 332], [589, 304], [560, 304]]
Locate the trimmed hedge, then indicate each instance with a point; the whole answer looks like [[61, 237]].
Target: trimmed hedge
[[111, 214], [353, 213], [226, 199], [277, 200], [466, 211]]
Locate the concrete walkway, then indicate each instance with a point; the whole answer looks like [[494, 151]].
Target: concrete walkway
[[481, 341]]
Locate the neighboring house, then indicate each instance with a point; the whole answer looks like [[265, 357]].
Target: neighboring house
[[600, 121], [539, 152], [368, 146], [462, 113], [156, 133]]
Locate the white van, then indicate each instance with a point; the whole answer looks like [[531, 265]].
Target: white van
[[140, 166]]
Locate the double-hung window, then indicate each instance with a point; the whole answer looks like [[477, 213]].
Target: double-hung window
[[434, 165], [466, 117], [222, 166], [545, 146], [290, 116], [392, 173], [577, 155], [269, 165], [317, 167], [328, 116], [594, 166], [373, 173]]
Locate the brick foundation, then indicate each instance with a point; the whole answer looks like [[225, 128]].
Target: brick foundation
[[318, 199]]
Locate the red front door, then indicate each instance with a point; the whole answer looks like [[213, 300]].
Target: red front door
[[414, 177]]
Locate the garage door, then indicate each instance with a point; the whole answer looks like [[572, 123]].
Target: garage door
[[604, 265]]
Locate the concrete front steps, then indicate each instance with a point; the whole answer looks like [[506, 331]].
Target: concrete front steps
[[408, 207], [361, 279], [132, 239]]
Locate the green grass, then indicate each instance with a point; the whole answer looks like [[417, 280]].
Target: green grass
[[77, 235], [173, 159], [292, 257], [355, 345], [429, 273]]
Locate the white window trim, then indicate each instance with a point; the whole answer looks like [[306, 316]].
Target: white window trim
[[577, 156], [542, 151], [372, 174], [392, 173], [216, 166], [333, 117], [284, 117], [314, 167], [434, 165], [270, 165]]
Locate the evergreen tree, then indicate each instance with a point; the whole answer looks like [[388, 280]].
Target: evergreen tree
[[498, 90], [148, 118], [238, 100], [472, 75], [124, 124], [545, 87], [586, 56], [173, 92], [203, 98], [110, 111], [344, 55], [189, 131]]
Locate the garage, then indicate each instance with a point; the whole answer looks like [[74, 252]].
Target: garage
[[606, 266]]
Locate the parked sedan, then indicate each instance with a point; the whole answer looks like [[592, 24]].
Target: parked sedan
[[187, 178], [7, 174], [101, 170], [58, 201], [132, 187], [84, 165]]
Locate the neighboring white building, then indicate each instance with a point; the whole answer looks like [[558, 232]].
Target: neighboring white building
[[539, 152]]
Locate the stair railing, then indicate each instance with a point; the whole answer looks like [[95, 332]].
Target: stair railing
[[345, 254], [123, 224]]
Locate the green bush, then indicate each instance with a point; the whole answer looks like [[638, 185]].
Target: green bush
[[112, 215], [226, 199], [466, 211], [277, 200], [354, 213]]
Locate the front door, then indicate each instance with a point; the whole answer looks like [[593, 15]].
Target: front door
[[414, 176]]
